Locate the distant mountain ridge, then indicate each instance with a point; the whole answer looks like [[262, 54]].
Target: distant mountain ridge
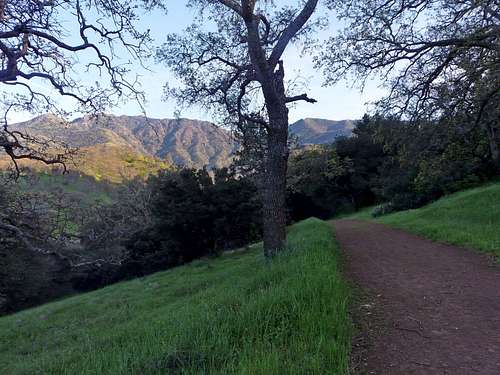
[[314, 131], [186, 142], [117, 146]]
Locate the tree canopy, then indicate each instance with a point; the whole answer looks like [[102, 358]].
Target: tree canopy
[[234, 67], [436, 56], [55, 44]]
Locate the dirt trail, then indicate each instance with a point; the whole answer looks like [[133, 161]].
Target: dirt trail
[[431, 308]]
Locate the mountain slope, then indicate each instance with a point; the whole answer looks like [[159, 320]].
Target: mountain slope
[[320, 131], [190, 143], [112, 146], [117, 147]]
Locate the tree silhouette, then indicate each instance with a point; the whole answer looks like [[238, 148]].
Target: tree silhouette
[[57, 43], [234, 67], [437, 57]]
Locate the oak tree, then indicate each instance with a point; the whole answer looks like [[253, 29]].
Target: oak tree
[[55, 46], [438, 58], [234, 66], [51, 49]]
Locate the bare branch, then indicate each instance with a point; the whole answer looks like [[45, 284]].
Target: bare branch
[[422, 49], [291, 31], [21, 236], [34, 46], [233, 5], [303, 97]]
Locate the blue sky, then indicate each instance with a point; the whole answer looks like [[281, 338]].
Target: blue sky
[[338, 102]]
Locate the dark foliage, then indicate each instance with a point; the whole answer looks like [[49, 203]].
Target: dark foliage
[[337, 178], [195, 215], [402, 164], [426, 160], [78, 245], [316, 183], [366, 156], [28, 279]]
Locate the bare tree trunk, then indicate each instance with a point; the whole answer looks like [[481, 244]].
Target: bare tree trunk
[[275, 181], [493, 144], [495, 153]]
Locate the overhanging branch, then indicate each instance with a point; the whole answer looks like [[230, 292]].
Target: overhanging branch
[[303, 97]]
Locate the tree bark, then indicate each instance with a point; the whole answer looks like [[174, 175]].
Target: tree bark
[[495, 153], [273, 89], [274, 198]]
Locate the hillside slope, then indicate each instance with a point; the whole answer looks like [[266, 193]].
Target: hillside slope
[[320, 131], [117, 147], [238, 314], [106, 161], [114, 139], [468, 218]]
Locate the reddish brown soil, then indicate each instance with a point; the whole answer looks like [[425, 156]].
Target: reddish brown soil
[[430, 308]]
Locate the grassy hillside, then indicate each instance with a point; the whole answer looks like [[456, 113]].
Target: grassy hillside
[[113, 163], [234, 315], [84, 188], [107, 162], [470, 218]]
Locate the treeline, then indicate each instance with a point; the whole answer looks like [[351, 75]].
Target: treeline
[[192, 214], [395, 164]]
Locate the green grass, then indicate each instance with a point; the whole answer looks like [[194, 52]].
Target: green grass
[[470, 218], [84, 188], [362, 214], [237, 314]]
